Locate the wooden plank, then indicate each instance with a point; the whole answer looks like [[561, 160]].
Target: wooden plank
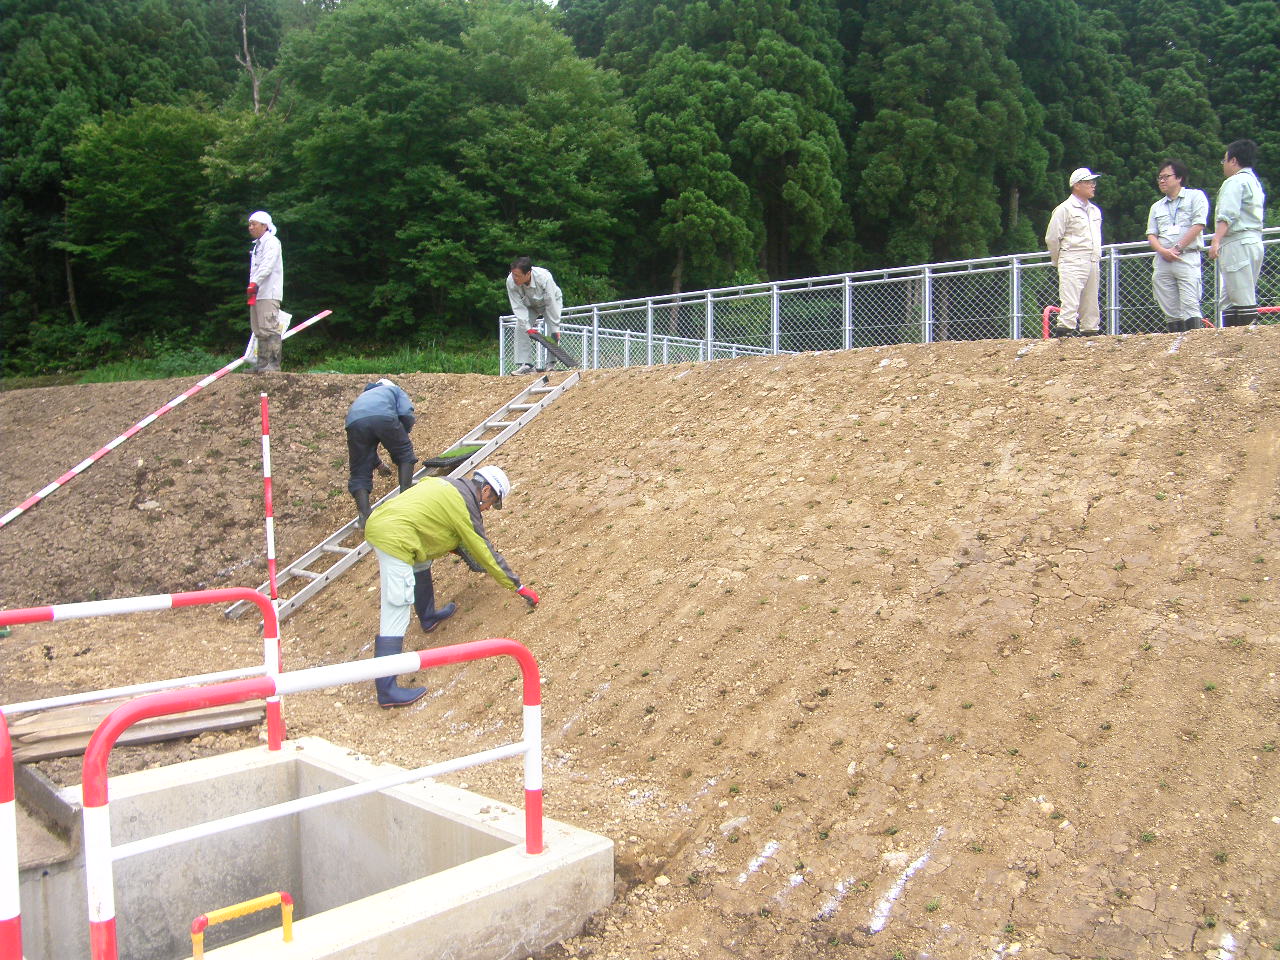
[[65, 731]]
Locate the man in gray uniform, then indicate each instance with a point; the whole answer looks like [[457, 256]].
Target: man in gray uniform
[[1174, 228], [533, 293], [1237, 241]]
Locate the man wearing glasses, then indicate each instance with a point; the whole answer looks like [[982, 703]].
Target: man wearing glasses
[[1237, 241], [1174, 228]]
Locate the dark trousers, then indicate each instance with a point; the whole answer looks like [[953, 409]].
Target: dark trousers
[[363, 437]]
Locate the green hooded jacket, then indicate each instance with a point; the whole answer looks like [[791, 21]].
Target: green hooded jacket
[[434, 517]]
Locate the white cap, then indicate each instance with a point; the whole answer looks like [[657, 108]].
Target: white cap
[[264, 218], [1082, 173], [495, 478]]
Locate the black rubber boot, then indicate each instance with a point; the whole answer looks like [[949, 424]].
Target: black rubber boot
[[361, 498], [1232, 317], [1192, 323], [1174, 326], [390, 693], [424, 602], [406, 475]]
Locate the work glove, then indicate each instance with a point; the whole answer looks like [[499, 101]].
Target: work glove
[[253, 294], [530, 597]]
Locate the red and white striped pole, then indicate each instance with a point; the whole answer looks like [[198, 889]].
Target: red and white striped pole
[[85, 464], [266, 496], [10, 904], [275, 721], [99, 876]]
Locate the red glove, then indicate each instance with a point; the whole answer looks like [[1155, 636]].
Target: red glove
[[253, 294], [530, 597]]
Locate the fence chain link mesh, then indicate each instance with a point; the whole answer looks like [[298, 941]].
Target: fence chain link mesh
[[987, 299]]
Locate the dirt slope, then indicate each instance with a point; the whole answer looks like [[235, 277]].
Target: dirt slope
[[948, 651]]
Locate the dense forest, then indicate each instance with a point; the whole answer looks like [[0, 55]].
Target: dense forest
[[408, 149]]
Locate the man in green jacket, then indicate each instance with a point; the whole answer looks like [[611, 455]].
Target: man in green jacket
[[432, 518]]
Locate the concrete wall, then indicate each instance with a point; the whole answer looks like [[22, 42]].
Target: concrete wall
[[383, 876]]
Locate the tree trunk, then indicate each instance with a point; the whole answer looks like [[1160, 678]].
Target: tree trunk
[[677, 282], [247, 60], [71, 280]]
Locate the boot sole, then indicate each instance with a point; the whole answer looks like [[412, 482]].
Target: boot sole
[[402, 703]]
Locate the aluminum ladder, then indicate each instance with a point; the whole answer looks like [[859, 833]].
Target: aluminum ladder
[[491, 433]]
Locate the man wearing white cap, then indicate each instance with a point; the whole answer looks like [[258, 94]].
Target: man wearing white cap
[[1074, 239], [266, 290]]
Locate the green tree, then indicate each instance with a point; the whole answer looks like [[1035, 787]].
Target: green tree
[[133, 233], [1166, 50], [1244, 84], [68, 62], [946, 127], [1098, 111], [705, 221], [772, 110], [434, 140]]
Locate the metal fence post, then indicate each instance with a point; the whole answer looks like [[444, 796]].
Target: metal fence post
[[710, 320], [847, 285], [1217, 292], [648, 332], [926, 316], [775, 320], [595, 337], [1015, 299], [1113, 292]]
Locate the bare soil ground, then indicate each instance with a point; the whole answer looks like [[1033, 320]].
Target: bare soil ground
[[948, 651]]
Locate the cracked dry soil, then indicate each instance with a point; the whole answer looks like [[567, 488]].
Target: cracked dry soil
[[949, 651]]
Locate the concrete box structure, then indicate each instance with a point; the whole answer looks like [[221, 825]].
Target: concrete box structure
[[417, 871]]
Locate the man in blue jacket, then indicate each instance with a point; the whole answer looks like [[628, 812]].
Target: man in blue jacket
[[382, 414]]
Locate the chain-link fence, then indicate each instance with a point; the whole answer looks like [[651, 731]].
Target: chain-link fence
[[987, 299]]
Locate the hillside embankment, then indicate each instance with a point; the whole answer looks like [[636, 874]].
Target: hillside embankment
[[951, 651]]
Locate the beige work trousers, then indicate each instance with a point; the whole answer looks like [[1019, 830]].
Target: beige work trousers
[[1078, 294]]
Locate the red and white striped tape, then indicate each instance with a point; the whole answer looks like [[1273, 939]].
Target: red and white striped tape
[[85, 464]]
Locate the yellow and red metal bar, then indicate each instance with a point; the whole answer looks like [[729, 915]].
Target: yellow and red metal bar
[[242, 909]]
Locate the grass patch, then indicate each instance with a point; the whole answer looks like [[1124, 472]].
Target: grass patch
[[162, 360]]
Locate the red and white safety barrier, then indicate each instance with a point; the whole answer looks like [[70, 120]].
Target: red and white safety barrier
[[271, 654], [10, 905], [266, 497], [84, 465], [10, 908], [99, 855]]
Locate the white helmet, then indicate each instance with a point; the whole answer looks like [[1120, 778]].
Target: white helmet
[[495, 478]]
